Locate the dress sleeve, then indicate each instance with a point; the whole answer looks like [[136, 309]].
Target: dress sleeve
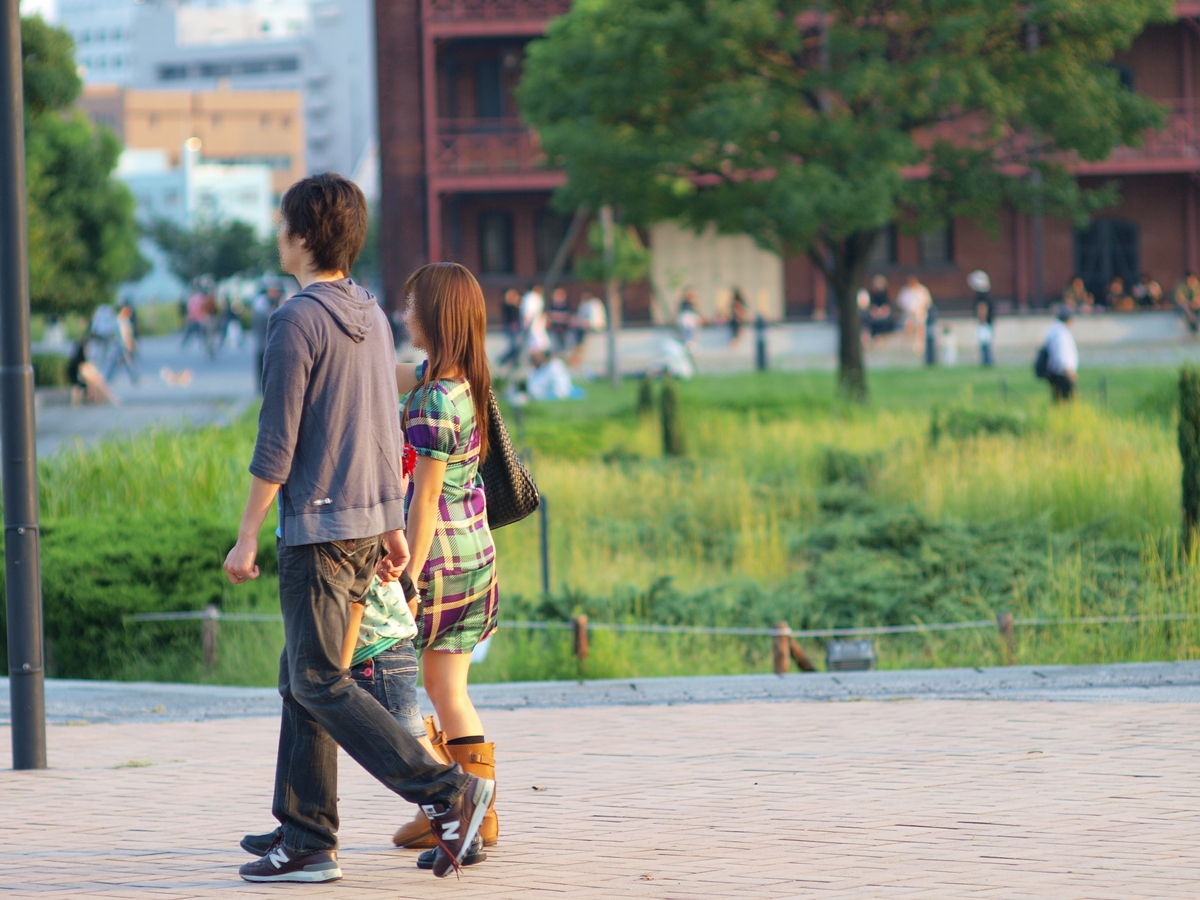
[[433, 423]]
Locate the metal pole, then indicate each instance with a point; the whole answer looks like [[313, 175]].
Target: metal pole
[[544, 513], [606, 225], [18, 457]]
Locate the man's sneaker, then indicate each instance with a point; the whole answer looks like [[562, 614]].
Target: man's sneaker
[[475, 855], [283, 864], [261, 844], [455, 826]]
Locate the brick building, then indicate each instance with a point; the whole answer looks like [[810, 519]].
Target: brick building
[[463, 179]]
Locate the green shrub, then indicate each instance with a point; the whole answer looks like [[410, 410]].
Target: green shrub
[[49, 370], [842, 466], [1189, 449], [961, 422], [98, 570]]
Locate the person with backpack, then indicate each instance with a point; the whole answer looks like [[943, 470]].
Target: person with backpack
[[1058, 359]]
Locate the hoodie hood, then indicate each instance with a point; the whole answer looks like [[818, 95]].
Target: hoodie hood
[[352, 306]]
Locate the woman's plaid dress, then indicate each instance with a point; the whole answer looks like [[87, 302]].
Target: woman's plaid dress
[[458, 589]]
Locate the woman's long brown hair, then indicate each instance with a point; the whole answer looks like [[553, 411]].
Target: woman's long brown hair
[[448, 304]]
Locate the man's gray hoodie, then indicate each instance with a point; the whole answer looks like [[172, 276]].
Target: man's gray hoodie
[[329, 430]]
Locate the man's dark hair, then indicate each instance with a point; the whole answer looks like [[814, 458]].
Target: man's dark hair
[[329, 213]]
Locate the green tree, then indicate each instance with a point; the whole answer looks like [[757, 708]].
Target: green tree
[[217, 249], [812, 125], [82, 233]]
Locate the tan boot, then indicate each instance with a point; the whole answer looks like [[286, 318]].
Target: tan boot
[[480, 760], [418, 834]]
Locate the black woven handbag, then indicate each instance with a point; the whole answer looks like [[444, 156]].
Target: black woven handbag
[[511, 493]]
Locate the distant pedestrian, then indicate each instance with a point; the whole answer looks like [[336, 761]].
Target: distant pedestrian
[[559, 319], [985, 312], [879, 308], [124, 352], [1187, 300], [739, 313], [87, 383], [915, 301], [687, 320], [260, 314], [196, 323], [1062, 357], [1146, 292], [510, 318], [1077, 298], [590, 316], [1119, 299]]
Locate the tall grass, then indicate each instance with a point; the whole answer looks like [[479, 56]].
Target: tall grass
[[779, 509]]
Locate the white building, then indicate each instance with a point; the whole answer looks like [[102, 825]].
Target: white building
[[323, 48], [192, 194]]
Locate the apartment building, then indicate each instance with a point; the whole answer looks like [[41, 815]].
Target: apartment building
[[463, 178], [234, 127], [323, 50]]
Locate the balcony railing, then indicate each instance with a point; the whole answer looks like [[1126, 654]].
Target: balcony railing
[[1175, 148], [493, 10], [487, 147]]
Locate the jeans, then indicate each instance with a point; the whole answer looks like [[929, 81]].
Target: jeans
[[391, 678], [322, 708]]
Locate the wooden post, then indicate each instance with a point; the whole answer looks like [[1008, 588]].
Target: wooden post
[[783, 635], [209, 626], [801, 658], [1004, 622], [580, 628]]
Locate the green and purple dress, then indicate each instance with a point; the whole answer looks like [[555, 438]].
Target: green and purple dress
[[459, 594]]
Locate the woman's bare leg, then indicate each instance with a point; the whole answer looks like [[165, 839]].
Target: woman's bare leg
[[446, 684]]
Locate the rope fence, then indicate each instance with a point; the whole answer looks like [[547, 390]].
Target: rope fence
[[786, 644]]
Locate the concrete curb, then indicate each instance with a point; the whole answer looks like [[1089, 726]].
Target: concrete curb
[[1173, 682]]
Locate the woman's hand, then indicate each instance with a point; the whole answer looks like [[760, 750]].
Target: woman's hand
[[397, 557]]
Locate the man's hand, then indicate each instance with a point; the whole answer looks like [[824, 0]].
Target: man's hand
[[396, 547], [239, 564]]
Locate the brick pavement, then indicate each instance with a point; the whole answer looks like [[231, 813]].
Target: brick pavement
[[929, 799]]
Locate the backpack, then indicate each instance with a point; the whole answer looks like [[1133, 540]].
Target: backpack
[[1041, 365]]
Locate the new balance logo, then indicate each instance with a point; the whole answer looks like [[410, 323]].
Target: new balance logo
[[278, 857], [450, 831]]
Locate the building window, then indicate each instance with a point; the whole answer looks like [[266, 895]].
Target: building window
[[495, 243], [936, 247], [883, 251], [1125, 74], [489, 92], [549, 229]]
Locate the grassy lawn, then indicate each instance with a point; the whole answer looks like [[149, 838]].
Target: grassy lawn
[[787, 505]]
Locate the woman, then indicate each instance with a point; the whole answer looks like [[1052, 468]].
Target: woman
[[445, 418]]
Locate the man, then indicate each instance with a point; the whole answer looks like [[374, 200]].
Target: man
[[329, 447], [125, 349], [1062, 357]]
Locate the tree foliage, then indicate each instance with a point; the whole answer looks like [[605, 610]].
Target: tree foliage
[[219, 250], [631, 259], [82, 233], [810, 126]]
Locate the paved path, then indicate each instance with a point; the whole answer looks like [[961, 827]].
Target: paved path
[[920, 798], [220, 389]]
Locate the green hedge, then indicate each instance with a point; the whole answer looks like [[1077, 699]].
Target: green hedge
[[97, 571], [49, 370]]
